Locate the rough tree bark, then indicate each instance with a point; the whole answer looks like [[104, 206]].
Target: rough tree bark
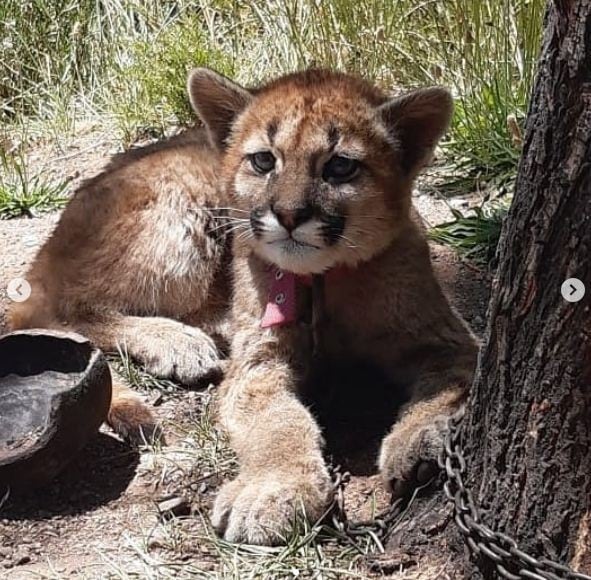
[[527, 431], [528, 428]]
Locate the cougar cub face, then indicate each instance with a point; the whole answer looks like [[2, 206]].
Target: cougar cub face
[[310, 180], [318, 164]]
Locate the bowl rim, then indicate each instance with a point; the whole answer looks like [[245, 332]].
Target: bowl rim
[[48, 433]]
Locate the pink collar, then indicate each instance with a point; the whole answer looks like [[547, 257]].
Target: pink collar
[[281, 304]]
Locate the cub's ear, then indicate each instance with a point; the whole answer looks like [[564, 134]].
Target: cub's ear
[[416, 121], [217, 100]]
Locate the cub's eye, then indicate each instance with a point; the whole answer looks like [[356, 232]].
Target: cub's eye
[[340, 169], [263, 161]]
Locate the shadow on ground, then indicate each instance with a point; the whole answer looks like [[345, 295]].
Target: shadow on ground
[[356, 407], [100, 474]]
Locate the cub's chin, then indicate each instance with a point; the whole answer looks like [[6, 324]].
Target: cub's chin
[[297, 257]]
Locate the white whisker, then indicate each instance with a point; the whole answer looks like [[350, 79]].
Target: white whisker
[[229, 218], [350, 243], [229, 227], [245, 235], [228, 209]]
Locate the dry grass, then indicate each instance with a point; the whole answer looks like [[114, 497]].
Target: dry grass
[[193, 466], [134, 56]]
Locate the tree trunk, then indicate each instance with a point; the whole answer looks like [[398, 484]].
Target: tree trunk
[[528, 427]]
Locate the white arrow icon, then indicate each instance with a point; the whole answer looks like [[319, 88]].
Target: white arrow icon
[[18, 290], [572, 290]]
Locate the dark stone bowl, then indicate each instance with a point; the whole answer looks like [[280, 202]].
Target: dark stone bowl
[[55, 391]]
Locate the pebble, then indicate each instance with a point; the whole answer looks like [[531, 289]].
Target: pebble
[[176, 506], [156, 542], [21, 559], [459, 203]]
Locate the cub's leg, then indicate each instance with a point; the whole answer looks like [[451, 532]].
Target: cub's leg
[[279, 448], [166, 348], [409, 453]]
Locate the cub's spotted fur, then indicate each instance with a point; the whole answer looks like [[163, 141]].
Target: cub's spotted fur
[[317, 168]]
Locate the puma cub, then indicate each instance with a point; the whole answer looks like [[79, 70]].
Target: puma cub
[[308, 180]]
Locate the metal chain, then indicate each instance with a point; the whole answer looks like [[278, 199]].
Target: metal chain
[[377, 528], [500, 549]]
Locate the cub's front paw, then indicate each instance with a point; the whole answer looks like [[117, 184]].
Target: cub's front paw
[[408, 456], [262, 510], [180, 352]]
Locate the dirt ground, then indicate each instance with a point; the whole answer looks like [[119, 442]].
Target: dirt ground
[[102, 517]]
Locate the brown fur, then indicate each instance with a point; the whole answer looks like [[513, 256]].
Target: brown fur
[[135, 261], [118, 239], [388, 310]]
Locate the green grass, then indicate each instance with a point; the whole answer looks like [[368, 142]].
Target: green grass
[[152, 85], [138, 378], [23, 194], [485, 50], [475, 233], [68, 58], [308, 553]]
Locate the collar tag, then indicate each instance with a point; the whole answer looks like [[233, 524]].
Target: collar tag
[[281, 305]]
